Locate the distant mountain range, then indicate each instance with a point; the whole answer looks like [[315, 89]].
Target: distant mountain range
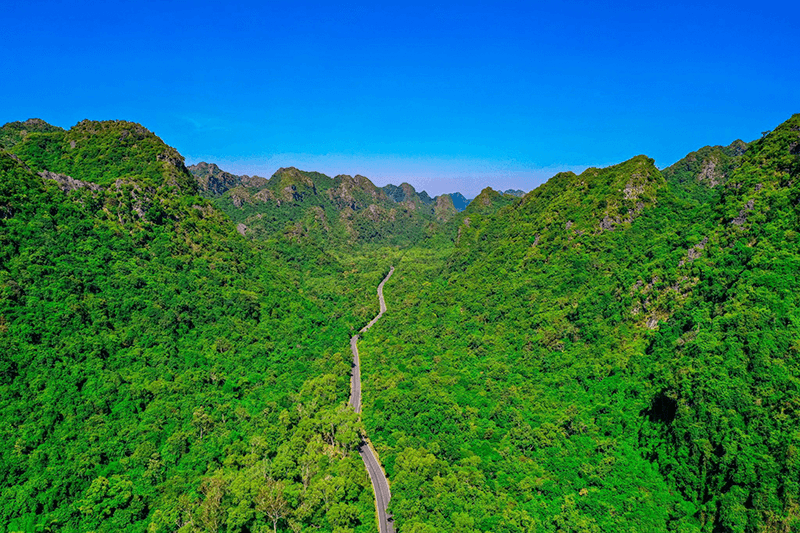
[[314, 207], [216, 181]]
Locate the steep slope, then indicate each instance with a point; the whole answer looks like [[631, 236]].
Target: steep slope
[[605, 355], [722, 424], [700, 175], [214, 181], [157, 370]]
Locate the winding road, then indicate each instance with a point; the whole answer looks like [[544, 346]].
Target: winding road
[[379, 482]]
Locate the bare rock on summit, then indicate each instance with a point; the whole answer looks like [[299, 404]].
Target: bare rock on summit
[[444, 209]]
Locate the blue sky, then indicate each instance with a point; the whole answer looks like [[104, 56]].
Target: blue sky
[[447, 96]]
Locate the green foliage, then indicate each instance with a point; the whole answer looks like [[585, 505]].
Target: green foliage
[[14, 132], [610, 354], [616, 351], [104, 153], [158, 370], [309, 208], [699, 175]]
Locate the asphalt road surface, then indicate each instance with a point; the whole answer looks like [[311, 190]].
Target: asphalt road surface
[[379, 482]]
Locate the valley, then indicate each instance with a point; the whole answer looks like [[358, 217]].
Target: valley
[[615, 350]]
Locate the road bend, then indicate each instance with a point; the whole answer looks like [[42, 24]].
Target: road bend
[[380, 485]]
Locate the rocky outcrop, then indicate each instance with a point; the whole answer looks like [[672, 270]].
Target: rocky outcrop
[[444, 209], [355, 192], [213, 180], [742, 217], [694, 252], [700, 172], [710, 174], [68, 183]]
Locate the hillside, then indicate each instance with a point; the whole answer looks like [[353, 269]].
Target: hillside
[[701, 174], [159, 372], [609, 354]]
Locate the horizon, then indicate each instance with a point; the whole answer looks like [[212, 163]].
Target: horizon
[[448, 98], [381, 179]]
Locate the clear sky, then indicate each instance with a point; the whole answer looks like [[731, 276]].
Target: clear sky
[[449, 96]]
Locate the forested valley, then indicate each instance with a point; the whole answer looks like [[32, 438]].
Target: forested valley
[[613, 351]]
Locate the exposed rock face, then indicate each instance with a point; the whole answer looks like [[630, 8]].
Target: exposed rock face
[[607, 224], [638, 189], [171, 158], [411, 196], [633, 190], [742, 218], [319, 215], [265, 195], [444, 209], [241, 228], [239, 198], [290, 193], [212, 179], [141, 199], [343, 194], [709, 174], [694, 252], [704, 170], [373, 212], [405, 192], [355, 191], [67, 183]]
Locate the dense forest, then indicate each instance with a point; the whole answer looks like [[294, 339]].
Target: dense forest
[[612, 351]]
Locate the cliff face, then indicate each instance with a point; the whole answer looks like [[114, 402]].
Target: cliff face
[[214, 181]]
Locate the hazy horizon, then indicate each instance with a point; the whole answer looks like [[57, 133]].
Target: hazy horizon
[[417, 173]]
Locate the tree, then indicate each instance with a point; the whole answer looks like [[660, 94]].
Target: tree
[[270, 501]]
